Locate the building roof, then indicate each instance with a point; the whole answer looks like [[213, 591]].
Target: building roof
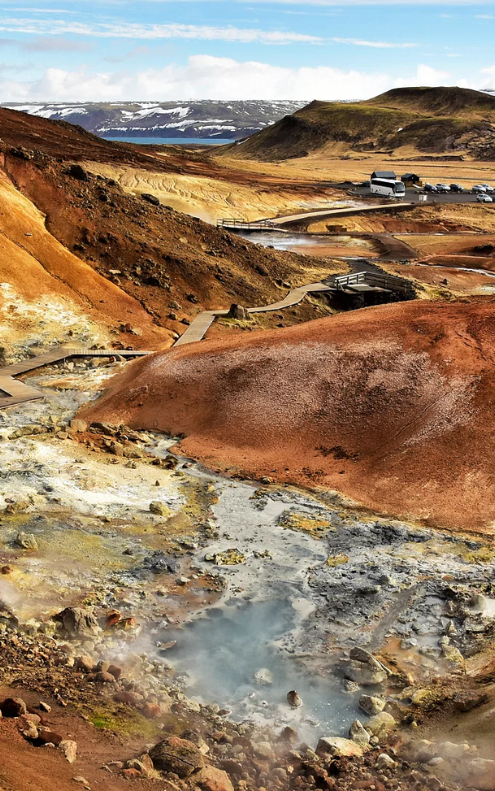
[[383, 174]]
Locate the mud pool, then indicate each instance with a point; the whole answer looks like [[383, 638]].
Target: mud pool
[[231, 655]]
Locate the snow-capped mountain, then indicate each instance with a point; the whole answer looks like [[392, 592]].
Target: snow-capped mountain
[[201, 119]]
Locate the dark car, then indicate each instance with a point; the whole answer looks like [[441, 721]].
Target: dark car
[[430, 188], [456, 188]]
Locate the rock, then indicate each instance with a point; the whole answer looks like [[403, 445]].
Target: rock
[[44, 706], [84, 663], [263, 676], [151, 711], [365, 674], [131, 774], [176, 755], [469, 700], [78, 425], [156, 507], [26, 541], [480, 774], [289, 735], [384, 761], [338, 747], [452, 654], [115, 671], [359, 734], [47, 736], [362, 655], [212, 779], [449, 750], [142, 765], [150, 198], [294, 699], [13, 707], [81, 780], [69, 749], [105, 678], [28, 728], [77, 172], [371, 705], [238, 312], [380, 724], [78, 622]]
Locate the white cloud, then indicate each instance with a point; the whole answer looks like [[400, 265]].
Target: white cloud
[[358, 42], [54, 27], [424, 76], [204, 77], [207, 77]]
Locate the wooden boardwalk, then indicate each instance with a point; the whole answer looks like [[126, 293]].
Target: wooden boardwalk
[[19, 393], [201, 324]]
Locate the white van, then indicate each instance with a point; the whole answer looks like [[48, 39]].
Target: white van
[[388, 188]]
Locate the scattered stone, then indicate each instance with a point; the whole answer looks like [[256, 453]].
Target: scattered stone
[[294, 699], [69, 749], [359, 734], [44, 706], [156, 507], [78, 622], [264, 677], [78, 425], [150, 199], [212, 779], [469, 700], [371, 705], [176, 755], [380, 725], [384, 761], [13, 707], [26, 541], [338, 747]]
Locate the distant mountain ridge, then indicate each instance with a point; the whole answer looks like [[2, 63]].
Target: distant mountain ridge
[[425, 120], [206, 119]]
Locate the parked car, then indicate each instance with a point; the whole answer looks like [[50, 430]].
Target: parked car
[[483, 198], [443, 188], [488, 188], [430, 188], [456, 188], [478, 188]]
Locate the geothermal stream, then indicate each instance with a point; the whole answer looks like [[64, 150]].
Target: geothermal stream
[[303, 578]]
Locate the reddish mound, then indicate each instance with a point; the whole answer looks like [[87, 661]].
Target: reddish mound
[[391, 405]]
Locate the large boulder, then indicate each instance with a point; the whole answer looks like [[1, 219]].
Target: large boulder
[[380, 725], [371, 705], [176, 755], [480, 774], [212, 779], [338, 747], [13, 707], [78, 622]]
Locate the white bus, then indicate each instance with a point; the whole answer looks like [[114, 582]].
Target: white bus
[[388, 188]]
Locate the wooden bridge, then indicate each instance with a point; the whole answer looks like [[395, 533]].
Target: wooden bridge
[[18, 393], [278, 223]]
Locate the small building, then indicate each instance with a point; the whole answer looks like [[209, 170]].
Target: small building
[[384, 174], [411, 179]]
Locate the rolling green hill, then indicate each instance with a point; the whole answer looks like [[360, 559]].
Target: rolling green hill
[[431, 120]]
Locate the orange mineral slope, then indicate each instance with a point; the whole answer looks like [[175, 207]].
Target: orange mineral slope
[[393, 406], [35, 266]]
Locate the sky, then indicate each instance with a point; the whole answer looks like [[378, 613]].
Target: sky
[[116, 50]]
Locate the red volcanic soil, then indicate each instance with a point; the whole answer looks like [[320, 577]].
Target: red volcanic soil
[[391, 405]]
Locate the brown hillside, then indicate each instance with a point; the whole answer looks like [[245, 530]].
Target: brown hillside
[[391, 405], [430, 120], [169, 264]]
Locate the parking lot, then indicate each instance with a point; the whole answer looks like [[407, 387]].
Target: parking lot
[[413, 196]]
